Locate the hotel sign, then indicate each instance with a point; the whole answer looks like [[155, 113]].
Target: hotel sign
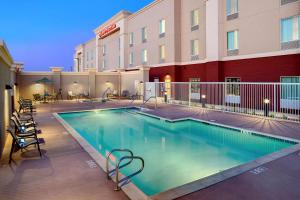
[[108, 31]]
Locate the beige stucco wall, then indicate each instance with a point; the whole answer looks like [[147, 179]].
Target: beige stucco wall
[[5, 95], [187, 34], [112, 52], [85, 82], [258, 24], [150, 18]]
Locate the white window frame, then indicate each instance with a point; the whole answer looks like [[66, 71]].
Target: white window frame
[[296, 28], [131, 38], [131, 58], [232, 12], [237, 44], [104, 50], [162, 52], [144, 34]]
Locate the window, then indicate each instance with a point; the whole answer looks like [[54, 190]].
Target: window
[[144, 56], [232, 40], [283, 2], [232, 7], [162, 28], [104, 50], [131, 37], [92, 54], [292, 91], [103, 64], [195, 86], [162, 53], [290, 29], [131, 58], [232, 88], [195, 19], [194, 47], [87, 56], [119, 43], [144, 35]]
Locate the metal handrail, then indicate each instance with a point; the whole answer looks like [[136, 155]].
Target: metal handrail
[[126, 178], [108, 172], [152, 97]]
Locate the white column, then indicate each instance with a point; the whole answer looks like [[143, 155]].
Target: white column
[[212, 30]]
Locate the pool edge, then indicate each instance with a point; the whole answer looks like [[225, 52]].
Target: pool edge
[[191, 187]]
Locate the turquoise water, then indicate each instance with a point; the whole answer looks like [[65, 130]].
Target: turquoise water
[[174, 153]]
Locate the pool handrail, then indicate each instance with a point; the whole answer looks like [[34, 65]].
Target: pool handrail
[[108, 172], [126, 178]]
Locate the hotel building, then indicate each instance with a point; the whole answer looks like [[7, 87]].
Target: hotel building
[[200, 40]]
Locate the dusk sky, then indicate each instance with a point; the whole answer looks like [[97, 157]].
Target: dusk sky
[[44, 33]]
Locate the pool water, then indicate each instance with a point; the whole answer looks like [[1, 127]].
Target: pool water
[[175, 153]]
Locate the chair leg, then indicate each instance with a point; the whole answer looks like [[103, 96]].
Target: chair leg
[[11, 150], [38, 145]]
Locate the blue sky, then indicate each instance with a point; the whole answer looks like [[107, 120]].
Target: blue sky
[[44, 33]]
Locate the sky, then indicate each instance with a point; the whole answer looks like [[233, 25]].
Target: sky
[[44, 33]]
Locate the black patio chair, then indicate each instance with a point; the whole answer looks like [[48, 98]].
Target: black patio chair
[[19, 142]]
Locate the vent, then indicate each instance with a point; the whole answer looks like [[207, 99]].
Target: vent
[[162, 35], [232, 52], [232, 16], [290, 45], [195, 57], [194, 28]]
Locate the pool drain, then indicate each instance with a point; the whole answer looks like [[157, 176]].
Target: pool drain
[[91, 164]]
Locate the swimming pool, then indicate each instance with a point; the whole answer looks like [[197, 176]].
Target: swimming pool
[[175, 153]]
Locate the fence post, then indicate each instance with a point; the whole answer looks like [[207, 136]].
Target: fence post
[[190, 92], [275, 100]]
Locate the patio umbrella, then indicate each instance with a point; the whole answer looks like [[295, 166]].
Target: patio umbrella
[[44, 81]]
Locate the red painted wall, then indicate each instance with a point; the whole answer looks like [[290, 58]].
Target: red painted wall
[[267, 69]]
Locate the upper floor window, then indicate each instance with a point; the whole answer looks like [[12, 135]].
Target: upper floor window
[[87, 56], [195, 19], [119, 43], [290, 30], [104, 50], [162, 53], [131, 38], [232, 9], [195, 49], [103, 64], [283, 2], [144, 56], [232, 43], [92, 54], [144, 35], [162, 28], [131, 58]]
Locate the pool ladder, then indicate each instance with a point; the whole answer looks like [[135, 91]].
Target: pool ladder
[[121, 182]]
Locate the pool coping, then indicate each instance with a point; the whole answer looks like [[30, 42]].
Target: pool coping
[[134, 193]]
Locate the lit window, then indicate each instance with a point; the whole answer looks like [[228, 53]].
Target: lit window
[[131, 37], [232, 40], [232, 86], [195, 47], [103, 50], [232, 7], [195, 85], [290, 28], [144, 34], [144, 56], [131, 58], [162, 26], [162, 52], [195, 18], [290, 91], [103, 64]]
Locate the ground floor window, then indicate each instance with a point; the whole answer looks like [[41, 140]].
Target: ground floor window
[[290, 91], [232, 88], [195, 88]]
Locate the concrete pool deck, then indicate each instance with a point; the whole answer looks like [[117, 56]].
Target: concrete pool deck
[[66, 170]]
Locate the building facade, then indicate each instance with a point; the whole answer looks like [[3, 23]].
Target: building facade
[[201, 40]]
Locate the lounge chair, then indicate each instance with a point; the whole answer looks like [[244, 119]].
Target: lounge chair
[[22, 129], [20, 142], [71, 95], [26, 106], [25, 123]]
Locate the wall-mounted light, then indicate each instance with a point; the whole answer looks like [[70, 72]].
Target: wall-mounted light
[[203, 96], [75, 82], [16, 84], [266, 101], [8, 87]]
